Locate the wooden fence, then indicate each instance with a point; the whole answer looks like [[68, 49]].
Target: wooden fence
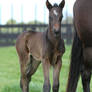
[[9, 33]]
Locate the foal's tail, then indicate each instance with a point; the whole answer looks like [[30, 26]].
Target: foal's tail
[[75, 64]]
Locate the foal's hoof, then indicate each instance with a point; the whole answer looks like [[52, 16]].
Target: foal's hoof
[[56, 88], [46, 88]]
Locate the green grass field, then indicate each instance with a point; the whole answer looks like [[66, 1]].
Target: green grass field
[[10, 72]]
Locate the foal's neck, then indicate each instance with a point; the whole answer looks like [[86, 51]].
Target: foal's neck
[[53, 40]]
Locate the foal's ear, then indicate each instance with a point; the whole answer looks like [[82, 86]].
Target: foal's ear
[[62, 4], [49, 6]]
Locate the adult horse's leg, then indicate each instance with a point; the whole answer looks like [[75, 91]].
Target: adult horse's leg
[[46, 68], [86, 77], [75, 64], [56, 73]]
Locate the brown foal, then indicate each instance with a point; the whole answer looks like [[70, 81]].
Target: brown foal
[[46, 47]]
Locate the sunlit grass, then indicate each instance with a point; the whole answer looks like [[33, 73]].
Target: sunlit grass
[[10, 72]]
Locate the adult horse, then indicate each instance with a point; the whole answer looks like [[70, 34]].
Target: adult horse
[[81, 56], [47, 47]]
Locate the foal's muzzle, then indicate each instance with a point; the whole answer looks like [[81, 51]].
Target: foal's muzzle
[[57, 33], [56, 29]]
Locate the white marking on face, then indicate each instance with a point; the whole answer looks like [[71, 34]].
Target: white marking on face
[[55, 12]]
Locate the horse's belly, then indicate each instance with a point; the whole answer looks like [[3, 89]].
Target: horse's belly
[[86, 37], [83, 20]]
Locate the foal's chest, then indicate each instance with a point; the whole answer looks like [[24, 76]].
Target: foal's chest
[[53, 57], [52, 50]]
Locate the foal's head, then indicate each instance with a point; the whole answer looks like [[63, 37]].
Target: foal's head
[[55, 17]]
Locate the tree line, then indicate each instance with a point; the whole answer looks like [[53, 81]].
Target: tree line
[[68, 20]]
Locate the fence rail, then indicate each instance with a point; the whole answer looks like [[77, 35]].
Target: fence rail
[[9, 33]]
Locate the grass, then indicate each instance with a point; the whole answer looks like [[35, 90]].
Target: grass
[[10, 72]]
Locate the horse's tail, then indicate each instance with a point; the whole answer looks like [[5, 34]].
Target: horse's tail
[[75, 64]]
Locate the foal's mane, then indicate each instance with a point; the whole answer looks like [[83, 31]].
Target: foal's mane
[[55, 5]]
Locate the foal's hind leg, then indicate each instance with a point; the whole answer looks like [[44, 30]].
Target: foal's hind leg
[[24, 81], [32, 66], [86, 77], [56, 74], [27, 70]]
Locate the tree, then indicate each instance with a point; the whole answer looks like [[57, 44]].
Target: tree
[[11, 21], [35, 22]]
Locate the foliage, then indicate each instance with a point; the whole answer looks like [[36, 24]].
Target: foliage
[[11, 21], [68, 20], [35, 22]]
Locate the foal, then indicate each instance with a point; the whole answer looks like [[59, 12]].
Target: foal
[[47, 47]]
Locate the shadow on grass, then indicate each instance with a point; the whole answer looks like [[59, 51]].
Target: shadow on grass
[[11, 88], [16, 88]]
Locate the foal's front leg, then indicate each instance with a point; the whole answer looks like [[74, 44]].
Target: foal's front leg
[[56, 74], [46, 68]]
